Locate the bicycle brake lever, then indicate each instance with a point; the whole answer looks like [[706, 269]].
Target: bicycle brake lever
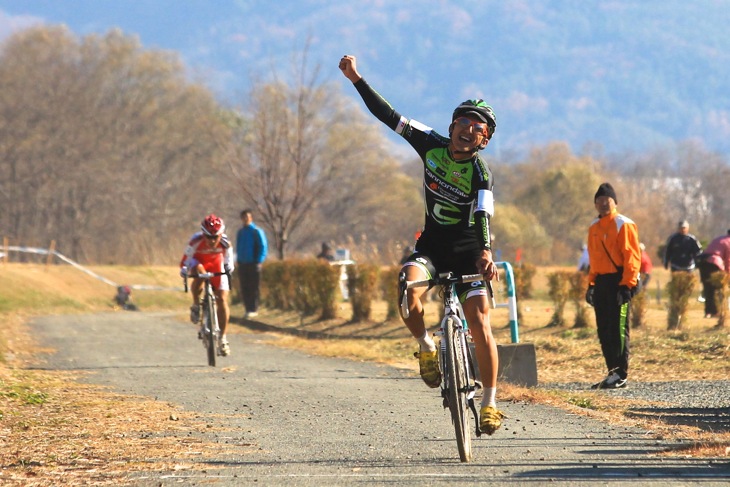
[[404, 307], [490, 290], [403, 291]]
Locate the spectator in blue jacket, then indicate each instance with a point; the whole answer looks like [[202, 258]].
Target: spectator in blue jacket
[[251, 250]]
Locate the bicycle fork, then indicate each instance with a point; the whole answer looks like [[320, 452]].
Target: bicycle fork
[[471, 383], [470, 379]]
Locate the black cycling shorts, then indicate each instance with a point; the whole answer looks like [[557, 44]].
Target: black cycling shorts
[[436, 261]]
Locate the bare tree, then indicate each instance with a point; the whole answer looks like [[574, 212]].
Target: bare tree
[[292, 151], [560, 195], [106, 147]]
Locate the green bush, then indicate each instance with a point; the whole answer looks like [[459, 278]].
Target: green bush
[[559, 292], [362, 284], [523, 280], [680, 288], [277, 286], [389, 290], [577, 294], [307, 286], [638, 308]]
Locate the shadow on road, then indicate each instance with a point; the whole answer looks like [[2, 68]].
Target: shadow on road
[[707, 419]]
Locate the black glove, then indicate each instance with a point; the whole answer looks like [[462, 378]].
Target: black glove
[[625, 294], [589, 295]]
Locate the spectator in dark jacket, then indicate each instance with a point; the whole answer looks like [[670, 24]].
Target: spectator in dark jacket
[[326, 253], [682, 249]]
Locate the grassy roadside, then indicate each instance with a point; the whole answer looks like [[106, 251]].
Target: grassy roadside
[[56, 429]]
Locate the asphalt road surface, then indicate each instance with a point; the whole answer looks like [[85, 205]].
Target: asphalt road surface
[[289, 418]]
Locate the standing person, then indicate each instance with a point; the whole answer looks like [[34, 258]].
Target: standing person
[[682, 249], [251, 251], [209, 250], [459, 203], [326, 253], [615, 259], [583, 262], [713, 260], [646, 267]]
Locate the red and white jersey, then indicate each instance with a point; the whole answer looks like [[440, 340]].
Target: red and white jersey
[[213, 259]]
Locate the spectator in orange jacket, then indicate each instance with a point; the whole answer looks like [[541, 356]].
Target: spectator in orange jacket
[[615, 260]]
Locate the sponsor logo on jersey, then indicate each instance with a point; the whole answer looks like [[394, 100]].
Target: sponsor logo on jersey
[[446, 188], [446, 213]]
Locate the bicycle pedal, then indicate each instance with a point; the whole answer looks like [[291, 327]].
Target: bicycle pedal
[[477, 385]]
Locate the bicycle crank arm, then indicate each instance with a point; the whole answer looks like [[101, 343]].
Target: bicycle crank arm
[[476, 417]]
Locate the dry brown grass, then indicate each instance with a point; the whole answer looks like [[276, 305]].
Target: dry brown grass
[[55, 430]]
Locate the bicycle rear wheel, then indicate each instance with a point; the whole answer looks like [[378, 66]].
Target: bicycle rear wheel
[[211, 324], [457, 384]]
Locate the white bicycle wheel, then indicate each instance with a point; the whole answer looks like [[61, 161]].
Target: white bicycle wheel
[[455, 371]]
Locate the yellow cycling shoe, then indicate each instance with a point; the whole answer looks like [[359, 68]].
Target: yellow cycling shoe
[[490, 419], [428, 363]]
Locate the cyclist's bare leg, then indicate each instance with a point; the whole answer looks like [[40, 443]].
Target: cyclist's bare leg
[[415, 322], [223, 311], [196, 288], [476, 309]]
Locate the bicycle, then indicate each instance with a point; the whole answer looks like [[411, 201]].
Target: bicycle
[[458, 384], [209, 330]]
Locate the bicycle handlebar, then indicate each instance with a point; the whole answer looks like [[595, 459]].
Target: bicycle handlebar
[[205, 275], [449, 278], [208, 275], [446, 279]]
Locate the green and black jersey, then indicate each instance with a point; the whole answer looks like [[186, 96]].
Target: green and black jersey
[[458, 194]]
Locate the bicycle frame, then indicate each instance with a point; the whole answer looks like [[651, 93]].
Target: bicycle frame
[[458, 384], [453, 308], [209, 314]]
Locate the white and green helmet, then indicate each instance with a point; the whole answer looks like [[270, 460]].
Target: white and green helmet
[[479, 108]]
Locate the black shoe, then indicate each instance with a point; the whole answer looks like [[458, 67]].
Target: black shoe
[[612, 381]]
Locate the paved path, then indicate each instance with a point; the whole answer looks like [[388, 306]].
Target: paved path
[[288, 418]]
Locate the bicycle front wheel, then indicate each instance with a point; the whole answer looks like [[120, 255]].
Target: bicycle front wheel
[[457, 383], [211, 325]]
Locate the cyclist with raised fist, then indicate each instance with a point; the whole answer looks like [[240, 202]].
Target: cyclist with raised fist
[[459, 204]]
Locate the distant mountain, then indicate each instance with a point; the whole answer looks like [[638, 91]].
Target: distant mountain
[[628, 75]]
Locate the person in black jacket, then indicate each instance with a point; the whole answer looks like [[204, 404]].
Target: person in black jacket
[[682, 249]]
